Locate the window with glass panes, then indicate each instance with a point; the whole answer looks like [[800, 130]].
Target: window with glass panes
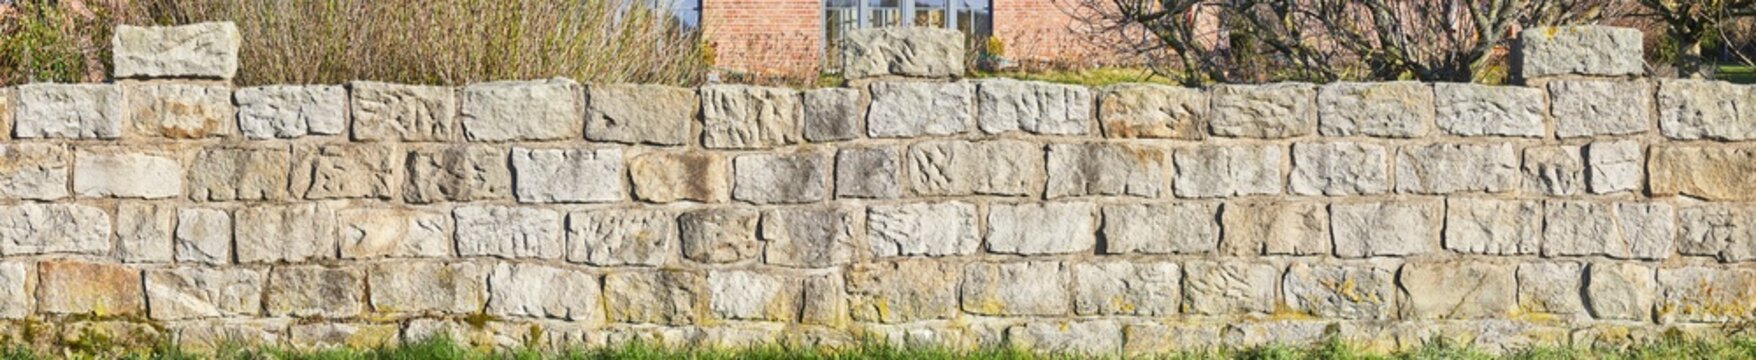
[[973, 17]]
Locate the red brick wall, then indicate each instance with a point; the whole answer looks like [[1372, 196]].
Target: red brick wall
[[1047, 30], [767, 36]]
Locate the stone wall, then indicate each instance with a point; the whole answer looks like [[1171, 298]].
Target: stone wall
[[1590, 206]]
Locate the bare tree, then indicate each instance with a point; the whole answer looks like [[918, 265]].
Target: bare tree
[[1693, 23]]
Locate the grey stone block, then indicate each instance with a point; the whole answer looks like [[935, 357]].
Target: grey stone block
[[1591, 50], [1275, 111], [1400, 109], [292, 111], [904, 51], [202, 50], [916, 109], [1005, 105], [521, 110], [788, 178]]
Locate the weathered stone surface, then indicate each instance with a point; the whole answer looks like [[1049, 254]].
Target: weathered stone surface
[[1340, 291], [1095, 169], [315, 292], [922, 229], [1622, 231], [567, 175], [1614, 166], [750, 295], [809, 237], [196, 293], [1600, 107], [1721, 230], [1712, 173], [998, 167], [1006, 105], [1180, 228], [1226, 171], [427, 287], [1125, 288], [1706, 294], [832, 114], [1399, 228], [1275, 228], [34, 171], [508, 232], [1493, 227], [641, 114], [914, 109], [871, 173], [521, 110], [666, 177], [398, 112], [1398, 109], [1016, 289], [621, 237], [395, 232], [1046, 228], [203, 50], [1482, 110], [1702, 109], [1457, 290], [786, 178], [1551, 288], [68, 111], [824, 301], [1554, 170], [662, 297], [239, 174], [906, 291], [902, 51], [347, 171], [720, 235], [1094, 338], [1273, 111], [350, 335], [35, 228], [111, 173], [204, 236], [1153, 111], [212, 335], [749, 117], [1153, 338], [457, 173], [1620, 291], [285, 233], [80, 288], [180, 111], [292, 111], [1228, 288], [530, 290], [1340, 169], [18, 286], [1456, 168], [144, 232], [1580, 50]]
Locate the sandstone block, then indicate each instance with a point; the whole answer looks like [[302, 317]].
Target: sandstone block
[[1045, 228], [809, 237], [832, 114], [292, 111], [18, 286], [34, 171], [1340, 291], [347, 171], [748, 117], [749, 295], [1016, 289], [902, 51], [285, 233], [1153, 111], [999, 167], [1228, 288], [1226, 171], [528, 290], [1275, 228], [1091, 338], [203, 50], [180, 111], [1620, 291], [1181, 228], [872, 173], [1622, 231], [204, 236], [1554, 170], [621, 237], [144, 232], [567, 175], [332, 335], [641, 114], [1720, 230], [914, 109], [68, 111], [509, 232], [1096, 169], [196, 293], [1340, 169], [1711, 173], [1582, 50], [457, 173], [922, 229], [1704, 294], [1456, 290], [667, 177], [663, 297], [1614, 166], [33, 228], [1551, 288], [395, 232], [239, 174], [904, 291], [1274, 111], [1456, 168], [80, 288], [721, 235], [522, 110], [1398, 109], [1493, 227], [1481, 110], [1125, 288], [427, 287], [788, 178], [1700, 109], [824, 301], [1005, 105], [315, 292], [1600, 107], [1400, 228], [127, 175], [398, 112], [1150, 338]]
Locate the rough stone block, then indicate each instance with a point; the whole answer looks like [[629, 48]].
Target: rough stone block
[[397, 112], [1005, 105], [1457, 290], [1092, 338], [666, 177], [180, 111], [508, 232], [34, 171], [522, 110], [1705, 294], [1398, 109], [1702, 109], [641, 114], [902, 51], [1621, 231], [111, 173], [1711, 173], [915, 109], [18, 286], [530, 290], [285, 233], [750, 295], [720, 235], [1482, 110], [809, 237], [1580, 50], [1340, 169], [1273, 111], [351, 335], [567, 175], [786, 178], [1126, 288], [1340, 291], [870, 173], [824, 301], [1179, 228], [68, 111], [1493, 227], [1620, 290], [1551, 288], [905, 291], [1015, 289], [196, 293], [457, 173], [240, 174], [396, 232], [1400, 228], [1226, 171], [80, 288], [144, 232], [1614, 166], [292, 111], [347, 171], [1097, 169], [1275, 228], [315, 292], [1721, 230], [999, 167], [1554, 170], [922, 229], [1153, 338], [749, 117], [1228, 288], [1043, 228], [1153, 111], [203, 50], [1456, 168], [1600, 107], [36, 228], [204, 236], [621, 237], [832, 114], [663, 297], [427, 287]]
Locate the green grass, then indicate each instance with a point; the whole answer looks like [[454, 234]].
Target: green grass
[[1738, 74]]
